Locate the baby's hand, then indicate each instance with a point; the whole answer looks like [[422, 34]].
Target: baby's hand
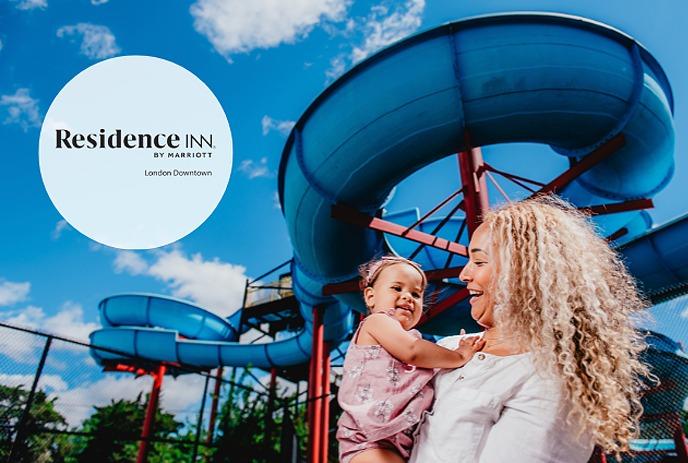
[[468, 346]]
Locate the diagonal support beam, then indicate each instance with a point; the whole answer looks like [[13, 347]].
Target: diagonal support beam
[[351, 286], [435, 209], [352, 216], [439, 226], [623, 231], [443, 305], [626, 206], [510, 176], [585, 164]]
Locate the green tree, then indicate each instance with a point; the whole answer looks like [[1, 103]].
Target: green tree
[[241, 432], [37, 447], [115, 429]]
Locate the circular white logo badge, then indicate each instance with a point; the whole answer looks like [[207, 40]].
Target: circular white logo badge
[[135, 152]]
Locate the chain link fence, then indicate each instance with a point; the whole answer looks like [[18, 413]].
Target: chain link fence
[[57, 405]]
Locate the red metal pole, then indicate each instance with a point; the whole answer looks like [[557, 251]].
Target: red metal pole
[[325, 404], [680, 444], [316, 419], [213, 408], [310, 395], [149, 420], [474, 185], [353, 216], [584, 165], [597, 456]]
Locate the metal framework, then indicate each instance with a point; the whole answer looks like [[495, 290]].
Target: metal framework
[[475, 173]]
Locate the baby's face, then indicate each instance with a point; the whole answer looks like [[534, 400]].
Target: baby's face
[[398, 287]]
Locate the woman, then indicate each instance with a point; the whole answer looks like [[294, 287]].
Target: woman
[[559, 372]]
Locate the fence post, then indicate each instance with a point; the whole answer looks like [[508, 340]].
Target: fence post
[[19, 438], [213, 409], [271, 406], [289, 445], [200, 420]]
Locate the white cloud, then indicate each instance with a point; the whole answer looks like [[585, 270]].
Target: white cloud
[[49, 382], [337, 67], [130, 262], [338, 30], [212, 284], [276, 201], [67, 322], [20, 346], [97, 42], [238, 26], [255, 169], [270, 124], [180, 395], [32, 4], [382, 27], [60, 226], [12, 292], [77, 404], [21, 109], [99, 2]]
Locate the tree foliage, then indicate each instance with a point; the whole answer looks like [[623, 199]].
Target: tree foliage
[[38, 446], [246, 434], [115, 429]]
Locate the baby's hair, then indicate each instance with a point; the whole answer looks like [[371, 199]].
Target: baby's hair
[[371, 270]]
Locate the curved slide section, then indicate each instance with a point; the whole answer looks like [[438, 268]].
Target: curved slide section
[[659, 260], [148, 310], [166, 329], [564, 81]]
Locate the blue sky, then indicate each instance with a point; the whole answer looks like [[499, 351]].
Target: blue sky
[[265, 65]]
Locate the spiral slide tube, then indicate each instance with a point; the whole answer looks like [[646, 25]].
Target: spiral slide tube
[[568, 82]]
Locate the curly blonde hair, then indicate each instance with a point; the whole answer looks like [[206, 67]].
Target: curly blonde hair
[[565, 295]]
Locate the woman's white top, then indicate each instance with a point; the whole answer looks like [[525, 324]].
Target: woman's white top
[[497, 410]]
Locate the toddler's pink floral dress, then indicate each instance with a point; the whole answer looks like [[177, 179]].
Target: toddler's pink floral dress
[[382, 400]]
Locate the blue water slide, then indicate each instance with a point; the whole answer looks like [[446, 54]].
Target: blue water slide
[[564, 81], [659, 260], [166, 329], [559, 80]]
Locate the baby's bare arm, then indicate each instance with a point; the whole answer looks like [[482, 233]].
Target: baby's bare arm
[[409, 349]]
